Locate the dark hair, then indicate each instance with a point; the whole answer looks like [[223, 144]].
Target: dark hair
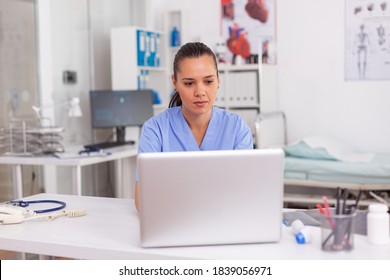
[[189, 50]]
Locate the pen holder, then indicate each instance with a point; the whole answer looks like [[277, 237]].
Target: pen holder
[[337, 232]]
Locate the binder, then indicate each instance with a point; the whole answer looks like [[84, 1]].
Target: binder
[[141, 47], [152, 47]]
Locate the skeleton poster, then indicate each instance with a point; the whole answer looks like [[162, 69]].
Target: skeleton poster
[[248, 30], [367, 46]]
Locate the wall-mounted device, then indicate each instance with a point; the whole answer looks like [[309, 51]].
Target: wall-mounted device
[[69, 77]]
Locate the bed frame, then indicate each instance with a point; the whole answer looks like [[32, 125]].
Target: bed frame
[[308, 193]]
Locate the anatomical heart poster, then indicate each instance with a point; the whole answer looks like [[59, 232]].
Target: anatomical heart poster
[[248, 28], [367, 40]]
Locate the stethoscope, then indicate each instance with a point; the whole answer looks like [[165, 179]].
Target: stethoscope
[[23, 203]]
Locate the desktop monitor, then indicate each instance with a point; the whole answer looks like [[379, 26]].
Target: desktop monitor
[[120, 108]]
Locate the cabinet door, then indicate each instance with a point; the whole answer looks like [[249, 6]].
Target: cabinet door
[[242, 89]]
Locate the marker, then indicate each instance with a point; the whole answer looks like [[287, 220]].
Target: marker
[[327, 211], [326, 204], [323, 212]]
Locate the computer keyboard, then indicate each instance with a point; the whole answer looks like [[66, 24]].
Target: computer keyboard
[[106, 145]]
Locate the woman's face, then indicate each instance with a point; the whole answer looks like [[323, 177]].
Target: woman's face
[[197, 83]]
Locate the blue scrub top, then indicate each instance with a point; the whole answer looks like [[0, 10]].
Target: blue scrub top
[[170, 132]]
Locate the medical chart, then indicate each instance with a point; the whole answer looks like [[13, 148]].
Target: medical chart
[[367, 40]]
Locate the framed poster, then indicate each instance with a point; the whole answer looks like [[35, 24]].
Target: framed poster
[[248, 31], [367, 40]]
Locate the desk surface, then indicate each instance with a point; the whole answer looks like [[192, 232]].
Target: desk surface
[[116, 153], [110, 230]]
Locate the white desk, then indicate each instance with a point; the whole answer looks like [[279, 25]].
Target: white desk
[[117, 154], [111, 231]]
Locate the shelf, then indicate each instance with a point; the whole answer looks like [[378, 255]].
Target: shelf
[[181, 19], [139, 60]]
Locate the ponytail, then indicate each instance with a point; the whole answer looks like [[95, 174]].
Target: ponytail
[[175, 100]]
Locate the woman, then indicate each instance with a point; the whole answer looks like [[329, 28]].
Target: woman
[[192, 123]]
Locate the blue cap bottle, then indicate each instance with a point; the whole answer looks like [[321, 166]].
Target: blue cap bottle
[[175, 37]]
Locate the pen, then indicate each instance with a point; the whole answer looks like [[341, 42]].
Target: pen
[[322, 211], [344, 205], [327, 212], [326, 204], [338, 201]]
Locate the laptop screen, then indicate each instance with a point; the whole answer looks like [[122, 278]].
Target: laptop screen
[[210, 197]]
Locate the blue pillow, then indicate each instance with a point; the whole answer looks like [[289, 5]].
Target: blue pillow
[[302, 150]]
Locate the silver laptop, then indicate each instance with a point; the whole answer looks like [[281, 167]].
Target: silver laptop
[[211, 197]]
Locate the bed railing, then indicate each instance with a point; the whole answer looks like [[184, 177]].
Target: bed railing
[[270, 130]]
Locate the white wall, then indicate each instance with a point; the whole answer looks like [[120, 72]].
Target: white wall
[[105, 15], [312, 90]]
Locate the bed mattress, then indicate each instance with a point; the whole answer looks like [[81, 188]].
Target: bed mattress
[[375, 172]]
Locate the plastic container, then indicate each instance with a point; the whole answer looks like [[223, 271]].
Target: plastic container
[[175, 37], [378, 224]]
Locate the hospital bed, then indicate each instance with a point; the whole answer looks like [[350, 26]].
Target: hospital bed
[[311, 171]]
